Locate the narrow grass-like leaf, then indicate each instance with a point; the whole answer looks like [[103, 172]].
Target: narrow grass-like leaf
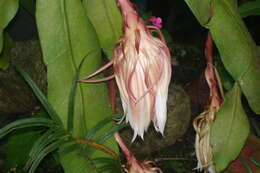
[[50, 148], [28, 122], [248, 169], [69, 148], [36, 146], [71, 103], [106, 136], [91, 133], [257, 163], [72, 95], [111, 132], [42, 142], [52, 113]]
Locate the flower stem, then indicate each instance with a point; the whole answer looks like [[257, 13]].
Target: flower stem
[[98, 146]]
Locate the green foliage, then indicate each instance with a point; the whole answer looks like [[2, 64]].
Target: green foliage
[[226, 79], [8, 9], [178, 166], [230, 130], [102, 138], [23, 123], [107, 165], [17, 148], [57, 137], [246, 165], [6, 53], [65, 41], [93, 131], [29, 5], [51, 112], [250, 8], [201, 9], [72, 97], [241, 59], [257, 163], [107, 21]]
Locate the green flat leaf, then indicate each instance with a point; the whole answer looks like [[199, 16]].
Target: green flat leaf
[[104, 160], [226, 79], [29, 5], [250, 8], [79, 164], [28, 122], [201, 9], [105, 165], [107, 21], [6, 53], [230, 130], [17, 148], [241, 60], [8, 9], [51, 112], [65, 40]]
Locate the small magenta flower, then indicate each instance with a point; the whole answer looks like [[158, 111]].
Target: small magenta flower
[[156, 21], [142, 66]]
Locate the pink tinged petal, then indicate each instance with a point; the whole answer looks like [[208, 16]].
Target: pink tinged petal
[[142, 71], [137, 40]]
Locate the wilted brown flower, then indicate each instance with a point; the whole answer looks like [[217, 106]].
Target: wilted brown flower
[[203, 123]]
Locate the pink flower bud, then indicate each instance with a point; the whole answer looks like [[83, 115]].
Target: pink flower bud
[[142, 66]]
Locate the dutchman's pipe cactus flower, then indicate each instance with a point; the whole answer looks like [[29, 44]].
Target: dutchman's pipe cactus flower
[[142, 66], [142, 69]]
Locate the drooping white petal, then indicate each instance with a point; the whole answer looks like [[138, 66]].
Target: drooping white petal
[[142, 71]]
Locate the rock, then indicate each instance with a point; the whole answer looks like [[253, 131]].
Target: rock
[[16, 97]]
